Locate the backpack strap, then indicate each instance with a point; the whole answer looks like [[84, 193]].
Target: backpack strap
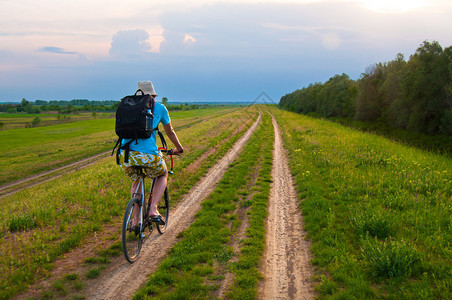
[[162, 139], [118, 142], [125, 147]]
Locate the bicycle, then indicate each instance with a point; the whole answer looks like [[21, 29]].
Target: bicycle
[[133, 237]]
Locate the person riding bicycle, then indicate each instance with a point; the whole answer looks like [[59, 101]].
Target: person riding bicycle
[[144, 153]]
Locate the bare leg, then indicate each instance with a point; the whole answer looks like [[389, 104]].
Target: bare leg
[[136, 208], [158, 190]]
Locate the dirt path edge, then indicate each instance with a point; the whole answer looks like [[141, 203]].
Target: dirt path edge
[[286, 265]]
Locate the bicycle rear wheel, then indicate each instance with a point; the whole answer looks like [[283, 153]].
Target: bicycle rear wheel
[[132, 240], [163, 207]]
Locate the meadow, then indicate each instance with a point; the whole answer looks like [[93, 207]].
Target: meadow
[[378, 213], [25, 120], [39, 225], [28, 151]]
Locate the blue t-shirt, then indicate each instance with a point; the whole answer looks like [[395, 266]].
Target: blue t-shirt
[[150, 145]]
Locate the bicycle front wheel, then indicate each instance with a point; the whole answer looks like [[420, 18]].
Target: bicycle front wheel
[[163, 207], [131, 237]]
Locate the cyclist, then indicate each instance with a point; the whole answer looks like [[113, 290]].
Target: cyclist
[[144, 153]]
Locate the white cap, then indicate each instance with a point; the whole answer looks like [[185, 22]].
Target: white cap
[[147, 87]]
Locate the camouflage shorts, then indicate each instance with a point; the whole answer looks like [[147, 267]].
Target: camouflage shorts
[[153, 165]]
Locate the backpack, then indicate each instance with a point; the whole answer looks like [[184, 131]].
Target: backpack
[[133, 121]]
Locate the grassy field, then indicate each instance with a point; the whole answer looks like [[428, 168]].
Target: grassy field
[[39, 225], [22, 120], [378, 213], [27, 151]]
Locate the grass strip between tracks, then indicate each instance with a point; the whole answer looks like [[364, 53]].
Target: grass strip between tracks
[[378, 213], [42, 223], [211, 248]]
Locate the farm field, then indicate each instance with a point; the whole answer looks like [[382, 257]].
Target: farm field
[[28, 151], [20, 120], [378, 215]]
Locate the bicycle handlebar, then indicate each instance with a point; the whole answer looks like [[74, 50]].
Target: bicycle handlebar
[[170, 153]]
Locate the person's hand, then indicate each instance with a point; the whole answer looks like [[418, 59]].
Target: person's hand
[[178, 150]]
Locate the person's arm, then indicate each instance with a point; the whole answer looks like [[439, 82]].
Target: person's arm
[[173, 137]]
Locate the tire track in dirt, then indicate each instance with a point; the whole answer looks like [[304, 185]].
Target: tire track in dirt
[[121, 279], [30, 181], [25, 183], [286, 264]]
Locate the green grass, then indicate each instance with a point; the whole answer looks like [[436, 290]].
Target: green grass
[[20, 120], [378, 212], [38, 225], [433, 143], [196, 264], [28, 151], [24, 152]]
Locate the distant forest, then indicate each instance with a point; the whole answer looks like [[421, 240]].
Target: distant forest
[[77, 105], [415, 95], [61, 106]]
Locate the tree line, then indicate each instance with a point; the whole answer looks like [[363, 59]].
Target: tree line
[[77, 105], [415, 95], [61, 106]]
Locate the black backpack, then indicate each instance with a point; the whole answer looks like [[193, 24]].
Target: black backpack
[[133, 121]]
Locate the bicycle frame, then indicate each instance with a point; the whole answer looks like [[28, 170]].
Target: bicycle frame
[[140, 192], [132, 238]]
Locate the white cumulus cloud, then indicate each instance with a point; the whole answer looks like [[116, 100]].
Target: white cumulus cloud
[[130, 43]]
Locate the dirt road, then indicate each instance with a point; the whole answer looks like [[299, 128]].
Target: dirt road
[[122, 279], [286, 265]]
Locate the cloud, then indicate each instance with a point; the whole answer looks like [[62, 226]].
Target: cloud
[[202, 49], [130, 43], [188, 39], [331, 41], [57, 50]]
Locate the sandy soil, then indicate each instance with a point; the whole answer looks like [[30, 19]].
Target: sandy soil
[[286, 264]]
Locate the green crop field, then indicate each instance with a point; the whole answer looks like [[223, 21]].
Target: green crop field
[[378, 213]]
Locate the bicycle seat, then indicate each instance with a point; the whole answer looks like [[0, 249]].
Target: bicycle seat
[[139, 169]]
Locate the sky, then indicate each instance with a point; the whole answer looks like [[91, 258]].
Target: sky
[[203, 50]]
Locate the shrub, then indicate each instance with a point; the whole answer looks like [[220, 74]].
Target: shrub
[[36, 121], [390, 258], [446, 123], [375, 223]]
